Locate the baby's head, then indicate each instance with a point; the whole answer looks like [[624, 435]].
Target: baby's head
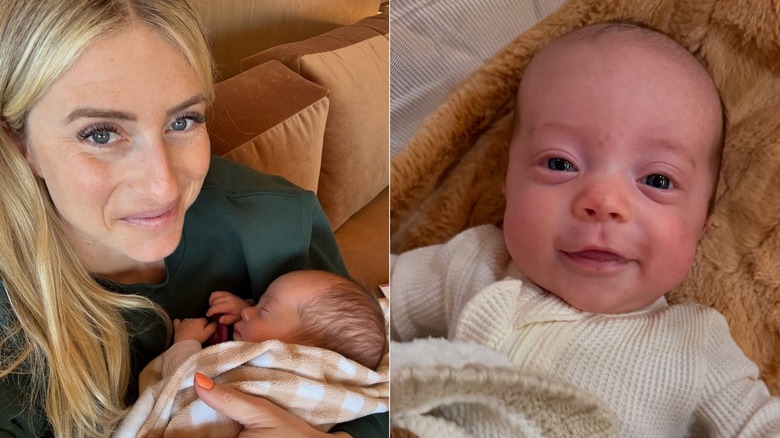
[[612, 168], [318, 309]]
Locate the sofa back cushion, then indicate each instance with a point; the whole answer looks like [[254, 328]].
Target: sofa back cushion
[[352, 62], [273, 120]]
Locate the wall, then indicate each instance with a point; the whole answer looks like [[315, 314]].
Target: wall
[[239, 28]]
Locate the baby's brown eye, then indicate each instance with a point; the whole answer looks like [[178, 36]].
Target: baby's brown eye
[[658, 181], [560, 165]]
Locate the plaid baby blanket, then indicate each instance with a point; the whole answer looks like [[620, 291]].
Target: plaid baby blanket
[[318, 385]]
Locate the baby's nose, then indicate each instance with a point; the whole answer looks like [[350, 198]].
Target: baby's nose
[[603, 201]]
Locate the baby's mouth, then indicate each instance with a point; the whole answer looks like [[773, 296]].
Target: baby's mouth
[[598, 256]]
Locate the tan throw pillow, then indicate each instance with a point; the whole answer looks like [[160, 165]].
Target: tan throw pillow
[[273, 120], [352, 62], [355, 165]]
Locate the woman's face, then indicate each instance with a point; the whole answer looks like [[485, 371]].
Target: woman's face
[[121, 144]]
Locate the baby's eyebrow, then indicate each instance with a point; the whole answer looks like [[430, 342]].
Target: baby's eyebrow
[[674, 147], [270, 299], [554, 126]]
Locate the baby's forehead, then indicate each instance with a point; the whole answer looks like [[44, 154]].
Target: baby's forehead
[[618, 39], [620, 44]]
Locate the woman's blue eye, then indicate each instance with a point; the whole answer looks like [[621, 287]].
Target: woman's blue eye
[[101, 134], [186, 121], [560, 165], [179, 124], [101, 137], [658, 181]]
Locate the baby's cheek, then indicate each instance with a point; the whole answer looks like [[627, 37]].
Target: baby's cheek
[[675, 259]]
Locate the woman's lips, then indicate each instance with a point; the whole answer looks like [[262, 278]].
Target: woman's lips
[[153, 218]]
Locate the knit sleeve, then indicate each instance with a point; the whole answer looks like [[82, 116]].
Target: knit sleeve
[[736, 402], [431, 285]]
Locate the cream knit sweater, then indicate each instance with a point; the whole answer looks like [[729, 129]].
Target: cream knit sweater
[[666, 371]]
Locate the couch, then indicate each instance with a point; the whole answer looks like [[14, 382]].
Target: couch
[[315, 111]]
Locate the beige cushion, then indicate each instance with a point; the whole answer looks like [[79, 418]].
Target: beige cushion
[[355, 155], [352, 62], [252, 123]]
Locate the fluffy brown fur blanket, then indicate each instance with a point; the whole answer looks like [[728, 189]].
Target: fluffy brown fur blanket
[[449, 176]]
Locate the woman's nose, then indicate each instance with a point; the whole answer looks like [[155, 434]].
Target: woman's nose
[[158, 180], [603, 200]]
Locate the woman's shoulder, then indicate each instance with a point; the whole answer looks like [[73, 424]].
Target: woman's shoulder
[[232, 191], [233, 179], [240, 206]]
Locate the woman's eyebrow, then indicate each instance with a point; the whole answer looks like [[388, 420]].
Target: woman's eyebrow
[[97, 113], [194, 100], [101, 113]]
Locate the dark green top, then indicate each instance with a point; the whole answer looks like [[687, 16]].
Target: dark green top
[[244, 230]]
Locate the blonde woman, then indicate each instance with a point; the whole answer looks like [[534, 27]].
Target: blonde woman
[[103, 149]]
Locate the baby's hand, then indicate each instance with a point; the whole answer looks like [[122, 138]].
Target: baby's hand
[[227, 303], [198, 329]]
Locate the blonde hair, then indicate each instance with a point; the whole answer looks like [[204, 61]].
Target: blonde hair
[[63, 330]]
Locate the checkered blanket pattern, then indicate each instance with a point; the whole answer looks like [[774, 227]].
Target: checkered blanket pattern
[[320, 386]]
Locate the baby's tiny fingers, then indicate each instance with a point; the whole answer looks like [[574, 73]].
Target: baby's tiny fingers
[[228, 319], [220, 307], [217, 295]]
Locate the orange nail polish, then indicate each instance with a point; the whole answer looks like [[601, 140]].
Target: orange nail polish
[[204, 381]]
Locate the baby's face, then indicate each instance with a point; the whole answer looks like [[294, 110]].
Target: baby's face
[[609, 175], [276, 314]]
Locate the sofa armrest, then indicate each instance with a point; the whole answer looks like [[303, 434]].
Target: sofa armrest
[[364, 241]]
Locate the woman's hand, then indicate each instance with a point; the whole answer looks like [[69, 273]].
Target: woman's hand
[[260, 417]]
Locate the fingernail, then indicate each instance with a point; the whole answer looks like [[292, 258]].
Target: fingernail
[[204, 381]]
